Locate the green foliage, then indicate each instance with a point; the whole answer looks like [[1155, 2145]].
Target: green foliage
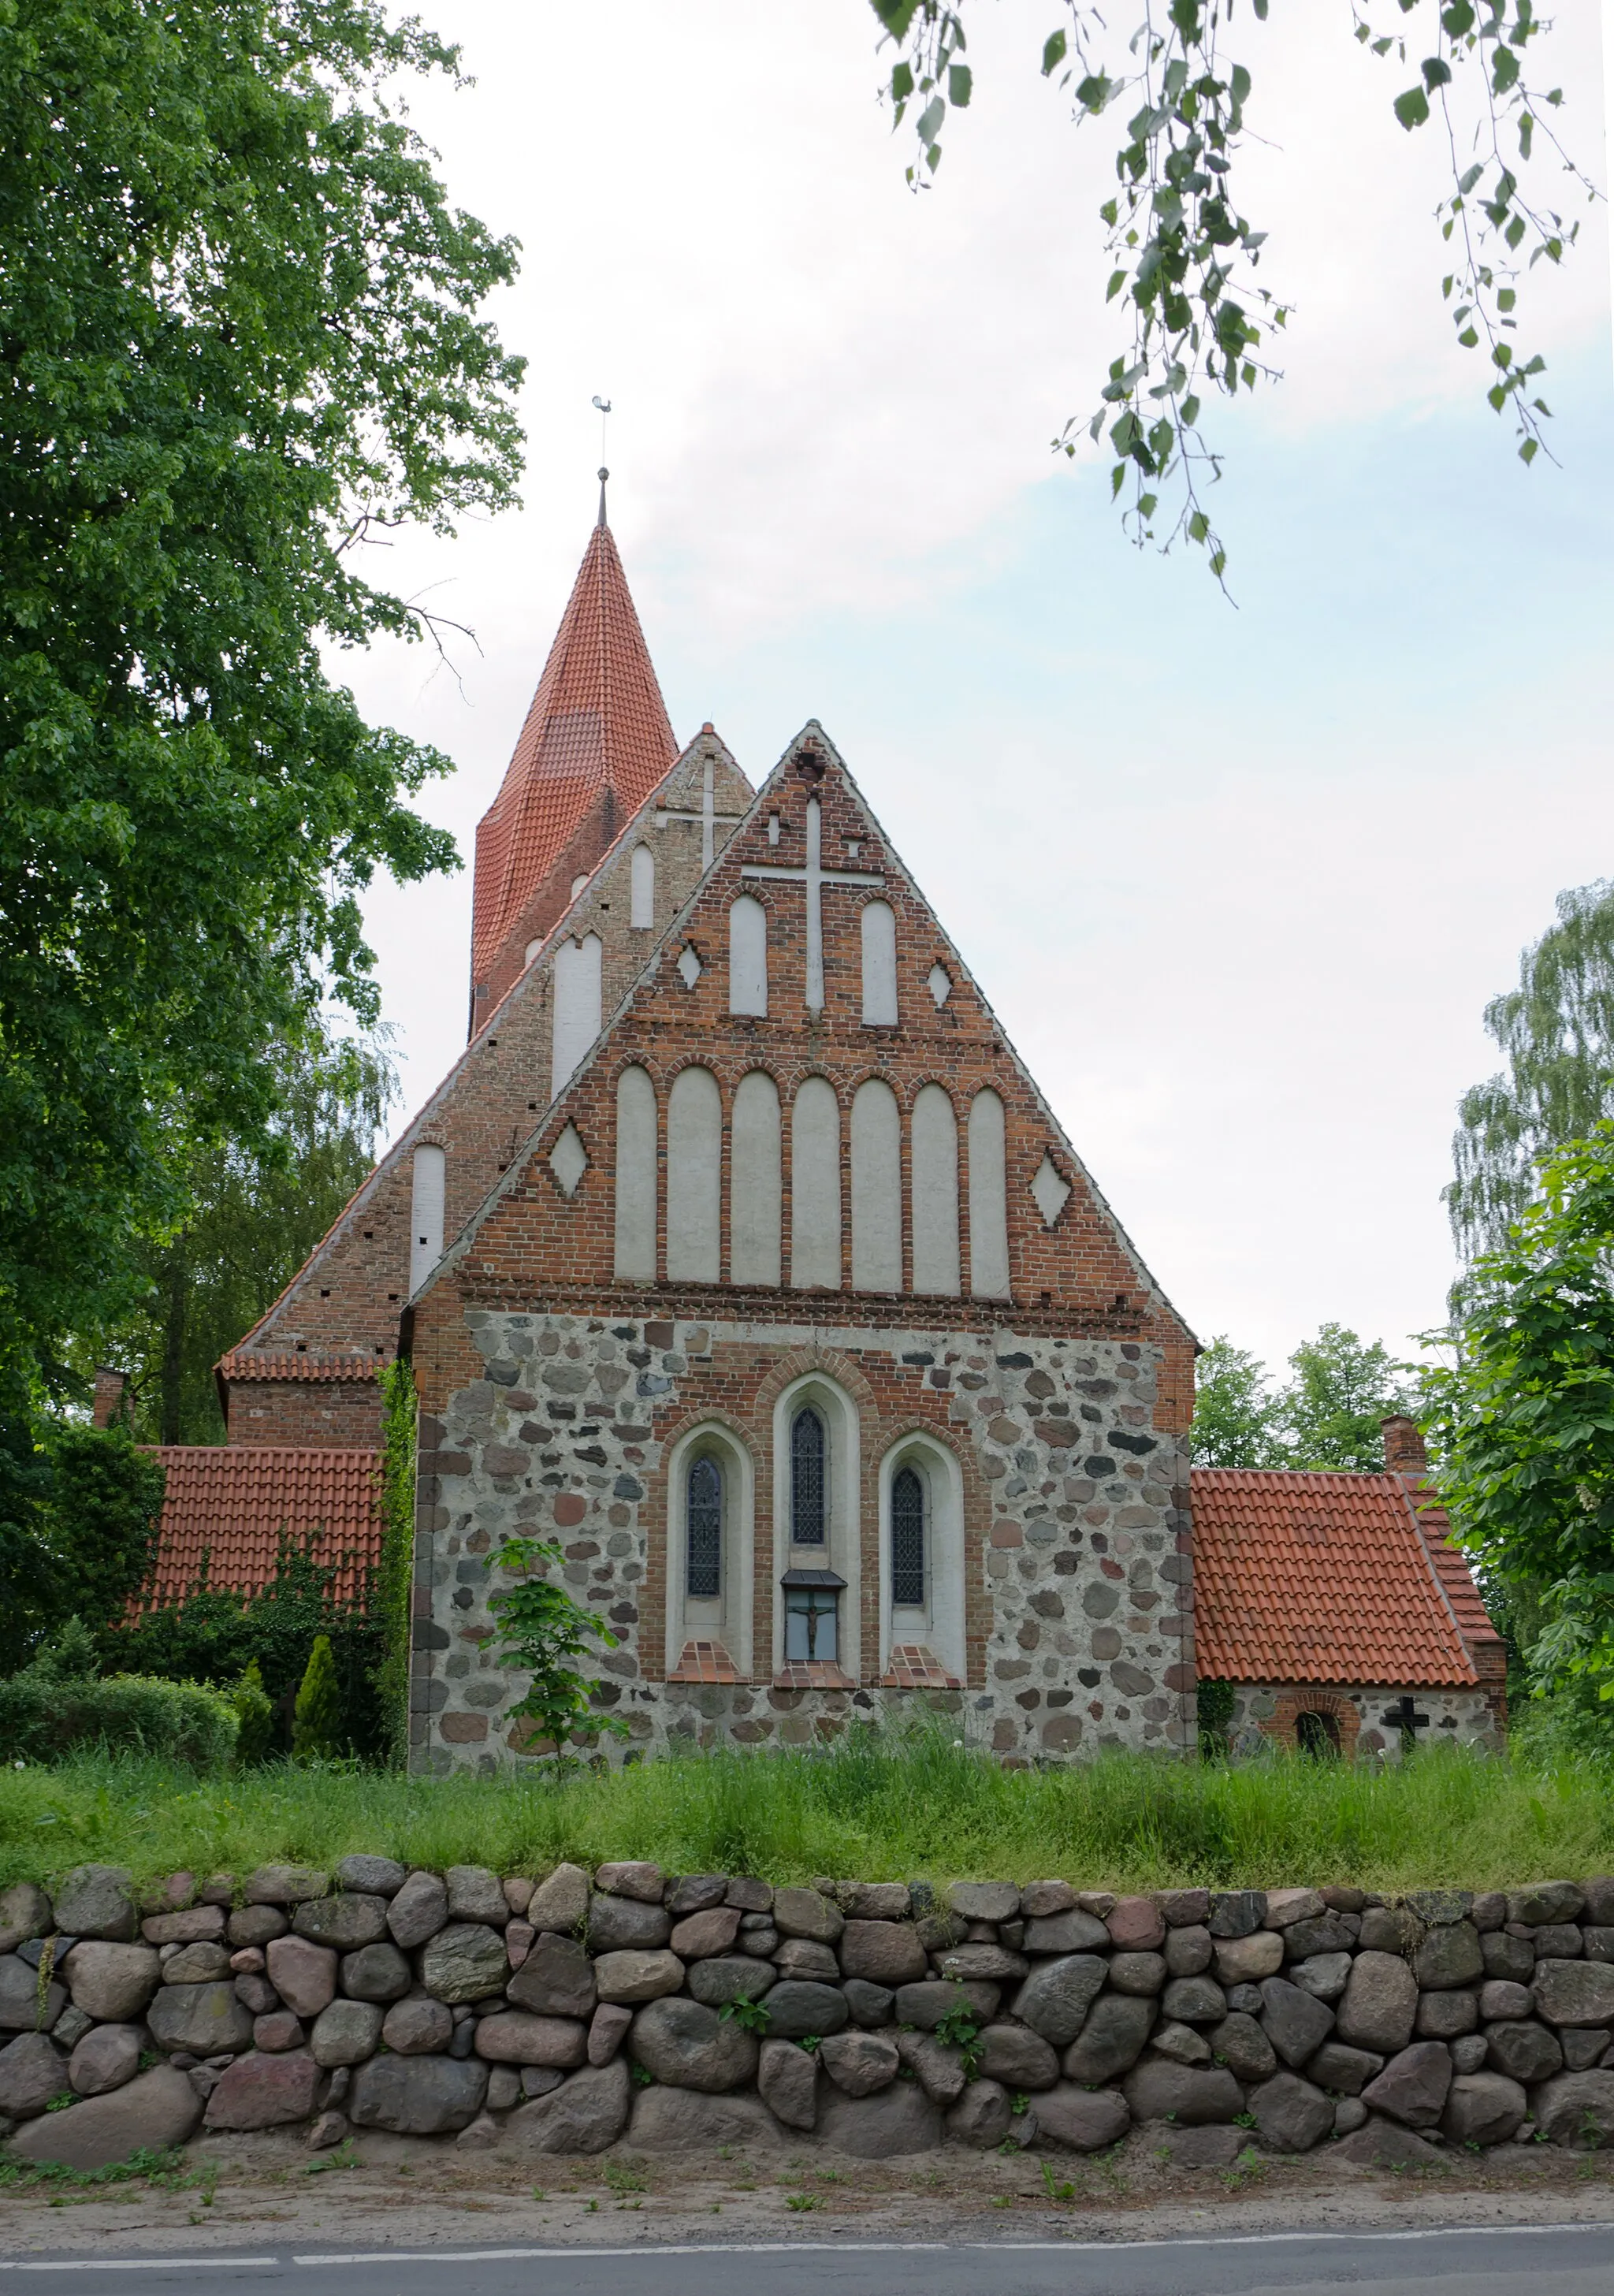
[[242, 341], [78, 1511], [214, 1635], [106, 1497], [256, 1204], [1329, 1416], [70, 1654], [1186, 261], [43, 1717], [1556, 1032], [1341, 1391], [1238, 1421], [543, 1629], [882, 1808], [254, 1717], [317, 1721], [1524, 1413], [752, 2016], [1214, 1703], [394, 1593]]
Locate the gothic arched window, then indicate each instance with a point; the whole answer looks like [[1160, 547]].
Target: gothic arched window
[[807, 1479], [703, 1518], [907, 1540]]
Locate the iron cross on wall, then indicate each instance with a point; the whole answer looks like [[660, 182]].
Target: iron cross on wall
[[814, 877], [1405, 1716]]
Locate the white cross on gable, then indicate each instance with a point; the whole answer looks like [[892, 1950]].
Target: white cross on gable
[[709, 817], [814, 877]]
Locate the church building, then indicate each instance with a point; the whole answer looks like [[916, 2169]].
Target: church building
[[740, 1253]]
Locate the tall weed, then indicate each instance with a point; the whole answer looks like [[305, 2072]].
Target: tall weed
[[873, 1807]]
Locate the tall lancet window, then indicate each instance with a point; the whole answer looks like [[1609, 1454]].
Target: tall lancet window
[[703, 1517], [748, 956], [643, 896], [807, 1479], [907, 1540]]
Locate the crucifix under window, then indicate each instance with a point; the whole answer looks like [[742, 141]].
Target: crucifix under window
[[1403, 1716], [814, 877]]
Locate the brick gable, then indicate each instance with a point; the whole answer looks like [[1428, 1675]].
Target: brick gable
[[340, 1312], [1078, 1272]]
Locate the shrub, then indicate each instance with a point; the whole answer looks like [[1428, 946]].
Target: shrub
[[213, 1635], [316, 1727], [43, 1717], [254, 1718]]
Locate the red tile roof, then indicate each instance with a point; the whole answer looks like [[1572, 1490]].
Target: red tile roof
[[597, 722], [297, 1363], [231, 1503], [1326, 1577]]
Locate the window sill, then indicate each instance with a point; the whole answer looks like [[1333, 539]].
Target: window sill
[[812, 1674]]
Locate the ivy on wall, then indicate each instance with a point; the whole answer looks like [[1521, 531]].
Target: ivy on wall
[[395, 1579]]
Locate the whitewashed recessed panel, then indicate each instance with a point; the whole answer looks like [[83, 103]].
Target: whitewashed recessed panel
[[568, 1160], [1052, 1192], [689, 967], [940, 983]]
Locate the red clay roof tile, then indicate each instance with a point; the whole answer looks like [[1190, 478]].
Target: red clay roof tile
[[1327, 1577], [297, 1363], [597, 722], [231, 1503]]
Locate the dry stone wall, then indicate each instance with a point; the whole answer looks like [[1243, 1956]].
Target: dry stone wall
[[677, 2012]]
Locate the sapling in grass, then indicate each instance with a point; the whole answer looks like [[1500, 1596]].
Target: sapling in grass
[[543, 1629]]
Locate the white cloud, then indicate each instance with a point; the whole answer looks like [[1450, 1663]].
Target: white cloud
[[834, 403]]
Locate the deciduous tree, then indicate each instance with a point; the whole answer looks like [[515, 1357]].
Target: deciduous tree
[[1187, 261], [239, 335]]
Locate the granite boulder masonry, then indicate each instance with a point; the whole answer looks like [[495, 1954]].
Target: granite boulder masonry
[[564, 2011]]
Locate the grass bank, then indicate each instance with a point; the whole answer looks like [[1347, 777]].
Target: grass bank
[[876, 1811]]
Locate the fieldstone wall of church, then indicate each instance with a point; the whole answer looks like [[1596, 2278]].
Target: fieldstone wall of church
[[1077, 1599], [1270, 1714]]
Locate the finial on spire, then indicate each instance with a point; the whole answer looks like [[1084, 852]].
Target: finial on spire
[[604, 406]]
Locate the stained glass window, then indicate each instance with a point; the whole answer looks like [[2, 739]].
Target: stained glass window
[[908, 1539], [807, 1479], [704, 1517]]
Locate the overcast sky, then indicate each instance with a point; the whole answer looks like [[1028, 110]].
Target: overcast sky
[[1237, 881]]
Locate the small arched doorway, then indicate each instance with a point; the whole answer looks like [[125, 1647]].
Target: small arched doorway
[[1316, 1734]]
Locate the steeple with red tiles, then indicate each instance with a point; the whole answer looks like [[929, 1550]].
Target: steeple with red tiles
[[596, 742]]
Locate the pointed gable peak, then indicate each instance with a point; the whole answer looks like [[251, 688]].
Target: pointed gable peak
[[597, 728]]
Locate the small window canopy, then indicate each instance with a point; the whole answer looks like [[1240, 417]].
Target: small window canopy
[[830, 1579]]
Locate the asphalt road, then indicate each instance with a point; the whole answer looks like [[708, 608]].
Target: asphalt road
[[1569, 2261]]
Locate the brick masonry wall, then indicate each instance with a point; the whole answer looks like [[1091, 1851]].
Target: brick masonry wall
[[1079, 1574], [352, 1291], [312, 1414]]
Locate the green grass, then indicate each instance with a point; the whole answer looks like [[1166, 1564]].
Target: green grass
[[876, 1809]]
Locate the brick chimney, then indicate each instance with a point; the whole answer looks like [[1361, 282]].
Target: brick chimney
[[1404, 1451], [110, 1386]]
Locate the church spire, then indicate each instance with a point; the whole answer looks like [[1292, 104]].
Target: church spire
[[596, 742]]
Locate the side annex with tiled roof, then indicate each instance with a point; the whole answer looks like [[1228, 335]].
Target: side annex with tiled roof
[[1340, 1611]]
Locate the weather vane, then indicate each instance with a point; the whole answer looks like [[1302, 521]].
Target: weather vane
[[604, 406]]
